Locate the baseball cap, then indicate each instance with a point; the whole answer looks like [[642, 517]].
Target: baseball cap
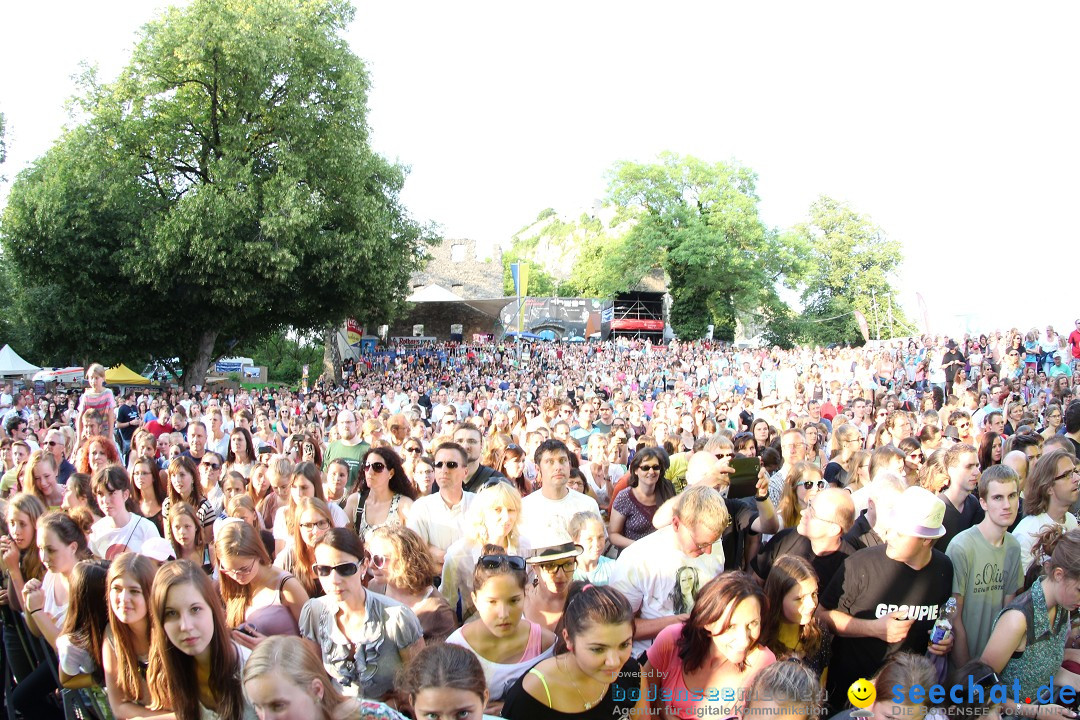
[[918, 512]]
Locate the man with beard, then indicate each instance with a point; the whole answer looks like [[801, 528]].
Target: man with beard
[[349, 447]]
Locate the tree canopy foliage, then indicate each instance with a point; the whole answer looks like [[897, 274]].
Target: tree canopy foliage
[[222, 189], [568, 257], [700, 223], [851, 268]]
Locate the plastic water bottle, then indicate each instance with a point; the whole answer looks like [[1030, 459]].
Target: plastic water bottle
[[943, 627], [942, 631]]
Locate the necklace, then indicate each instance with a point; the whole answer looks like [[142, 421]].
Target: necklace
[[588, 705]]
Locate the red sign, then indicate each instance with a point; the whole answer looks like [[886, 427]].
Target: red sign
[[624, 324]]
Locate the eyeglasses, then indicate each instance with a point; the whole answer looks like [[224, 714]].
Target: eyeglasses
[[414, 450], [493, 482], [237, 572], [567, 566], [1074, 471], [649, 468], [211, 465], [50, 443], [344, 569], [493, 562], [377, 560], [448, 464], [377, 467], [809, 484], [811, 512], [317, 525], [916, 456]]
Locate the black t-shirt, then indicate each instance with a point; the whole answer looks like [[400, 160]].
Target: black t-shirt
[[862, 535], [476, 483], [1076, 446], [746, 419], [957, 521], [789, 542], [952, 356], [127, 413], [869, 586], [743, 512]]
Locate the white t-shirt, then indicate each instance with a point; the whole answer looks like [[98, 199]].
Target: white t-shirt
[[615, 473], [74, 660], [1028, 529], [107, 541], [436, 523], [653, 571], [541, 517]]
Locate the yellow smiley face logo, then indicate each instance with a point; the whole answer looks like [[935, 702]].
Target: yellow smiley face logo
[[862, 693]]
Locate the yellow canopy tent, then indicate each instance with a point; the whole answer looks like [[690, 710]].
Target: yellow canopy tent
[[123, 375]]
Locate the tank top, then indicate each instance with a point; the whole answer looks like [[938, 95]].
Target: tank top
[[501, 676], [274, 618], [365, 530], [1045, 647]]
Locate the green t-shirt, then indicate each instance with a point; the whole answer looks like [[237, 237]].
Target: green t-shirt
[[351, 454], [8, 481], [983, 575]]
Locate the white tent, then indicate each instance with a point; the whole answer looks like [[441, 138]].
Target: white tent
[[12, 364], [433, 293]]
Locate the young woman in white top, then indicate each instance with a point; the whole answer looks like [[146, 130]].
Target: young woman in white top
[[62, 544], [306, 481], [120, 530], [504, 640]]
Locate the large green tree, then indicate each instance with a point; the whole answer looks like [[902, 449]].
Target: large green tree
[[852, 268], [700, 223], [223, 188]]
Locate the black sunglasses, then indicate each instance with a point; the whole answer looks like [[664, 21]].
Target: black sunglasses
[[450, 464], [376, 466], [414, 450], [344, 569], [493, 562]]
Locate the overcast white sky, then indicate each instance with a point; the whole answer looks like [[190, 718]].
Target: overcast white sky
[[953, 125]]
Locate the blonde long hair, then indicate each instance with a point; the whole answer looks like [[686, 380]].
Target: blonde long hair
[[485, 500], [297, 660]]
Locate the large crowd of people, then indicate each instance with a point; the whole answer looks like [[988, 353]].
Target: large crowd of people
[[553, 530]]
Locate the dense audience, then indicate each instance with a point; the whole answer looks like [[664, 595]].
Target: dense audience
[[553, 531]]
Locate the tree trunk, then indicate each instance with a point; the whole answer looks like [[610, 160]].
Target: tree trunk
[[331, 358], [196, 374]]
